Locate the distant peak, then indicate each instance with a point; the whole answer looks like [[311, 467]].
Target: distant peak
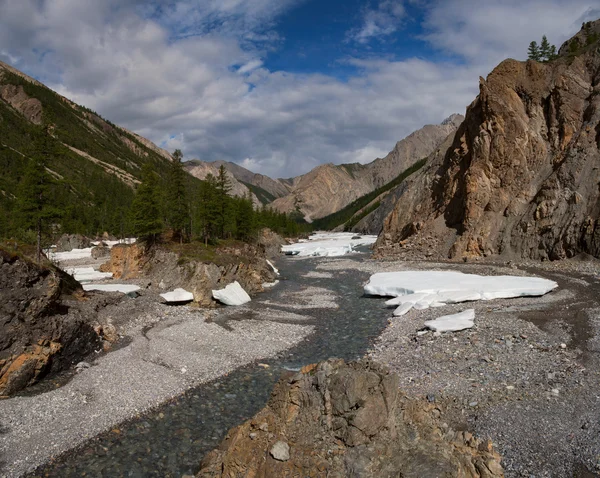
[[453, 119]]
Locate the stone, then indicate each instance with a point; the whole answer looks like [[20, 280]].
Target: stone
[[68, 242], [280, 451], [348, 420]]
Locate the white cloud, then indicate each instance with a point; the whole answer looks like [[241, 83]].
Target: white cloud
[[143, 68], [378, 22]]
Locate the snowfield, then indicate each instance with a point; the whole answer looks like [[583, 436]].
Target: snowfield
[[124, 288], [88, 274], [424, 289], [328, 244]]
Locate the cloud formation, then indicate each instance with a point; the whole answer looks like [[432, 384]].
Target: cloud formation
[[190, 74]]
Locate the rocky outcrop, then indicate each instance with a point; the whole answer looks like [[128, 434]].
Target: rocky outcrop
[[30, 108], [126, 261], [42, 328], [521, 176], [337, 420], [270, 243], [329, 188], [68, 242], [275, 187], [245, 264]]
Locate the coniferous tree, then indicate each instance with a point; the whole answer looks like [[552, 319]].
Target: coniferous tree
[[177, 209], [545, 49], [35, 203], [145, 209], [223, 188], [245, 220], [533, 52]]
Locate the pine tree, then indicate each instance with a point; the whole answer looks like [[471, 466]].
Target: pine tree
[[223, 187], [35, 203], [533, 52], [545, 49], [145, 209], [177, 210], [245, 220], [553, 55]]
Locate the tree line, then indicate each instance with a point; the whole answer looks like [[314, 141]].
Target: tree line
[[43, 206], [206, 211]]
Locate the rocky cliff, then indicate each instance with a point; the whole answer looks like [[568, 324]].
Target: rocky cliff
[[338, 420], [46, 324], [521, 175], [329, 188]]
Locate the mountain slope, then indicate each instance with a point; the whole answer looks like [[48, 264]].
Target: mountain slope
[[521, 176], [95, 163], [329, 188]]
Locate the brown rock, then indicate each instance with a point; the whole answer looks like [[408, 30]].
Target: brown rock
[[125, 261], [521, 175], [347, 420]]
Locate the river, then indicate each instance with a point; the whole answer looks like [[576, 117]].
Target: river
[[171, 440]]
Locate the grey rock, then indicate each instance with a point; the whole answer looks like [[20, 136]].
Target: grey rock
[[280, 451]]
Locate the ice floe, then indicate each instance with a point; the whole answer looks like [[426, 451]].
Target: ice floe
[[88, 274], [232, 294], [178, 295], [124, 288], [453, 323], [70, 255], [330, 244], [424, 289]]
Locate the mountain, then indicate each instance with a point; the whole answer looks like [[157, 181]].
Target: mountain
[[329, 188], [521, 175], [95, 163]]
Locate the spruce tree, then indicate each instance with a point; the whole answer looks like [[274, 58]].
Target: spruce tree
[[545, 49], [533, 52], [145, 209], [177, 210], [35, 203], [245, 220], [223, 187]]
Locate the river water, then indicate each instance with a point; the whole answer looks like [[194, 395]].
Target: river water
[[171, 440]]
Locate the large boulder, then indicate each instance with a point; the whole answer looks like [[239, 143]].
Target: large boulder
[[68, 242], [337, 420], [125, 261], [270, 242], [40, 331]]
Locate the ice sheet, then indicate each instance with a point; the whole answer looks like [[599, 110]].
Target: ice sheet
[[124, 288], [453, 323], [423, 289], [329, 244], [74, 254], [232, 294], [88, 274], [178, 295]]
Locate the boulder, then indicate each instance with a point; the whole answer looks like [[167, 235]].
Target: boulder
[[100, 251], [68, 242], [42, 330], [125, 261], [338, 419]]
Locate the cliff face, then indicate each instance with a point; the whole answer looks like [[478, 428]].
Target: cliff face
[[521, 176], [329, 188]]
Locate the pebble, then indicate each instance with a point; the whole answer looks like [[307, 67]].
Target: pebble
[[563, 346]]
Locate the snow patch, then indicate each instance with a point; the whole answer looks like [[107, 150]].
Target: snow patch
[[70, 255], [88, 274], [330, 244], [424, 289], [273, 267], [232, 294], [452, 323], [124, 288], [267, 285], [178, 295]]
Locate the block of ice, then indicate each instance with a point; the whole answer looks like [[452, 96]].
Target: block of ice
[[124, 288], [328, 244], [178, 295], [232, 294], [423, 289], [452, 323], [273, 267]]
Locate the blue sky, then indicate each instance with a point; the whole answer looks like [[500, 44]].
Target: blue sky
[[278, 86]]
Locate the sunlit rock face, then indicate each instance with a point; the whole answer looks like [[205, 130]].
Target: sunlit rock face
[[521, 175]]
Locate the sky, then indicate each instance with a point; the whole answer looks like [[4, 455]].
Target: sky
[[277, 86]]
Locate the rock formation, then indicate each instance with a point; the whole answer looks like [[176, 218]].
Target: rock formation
[[43, 327], [521, 176], [68, 242], [329, 188], [339, 420]]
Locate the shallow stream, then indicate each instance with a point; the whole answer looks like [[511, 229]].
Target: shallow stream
[[171, 441]]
